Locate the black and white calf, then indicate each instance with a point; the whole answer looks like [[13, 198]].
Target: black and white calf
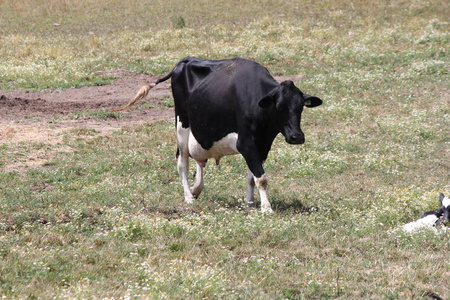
[[443, 213], [232, 106], [432, 218]]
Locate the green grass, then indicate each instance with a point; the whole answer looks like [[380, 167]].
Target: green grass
[[104, 216], [114, 225]]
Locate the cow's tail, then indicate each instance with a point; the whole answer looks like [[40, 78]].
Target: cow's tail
[[143, 92]]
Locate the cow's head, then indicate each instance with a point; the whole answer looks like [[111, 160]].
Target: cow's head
[[287, 102], [445, 207]]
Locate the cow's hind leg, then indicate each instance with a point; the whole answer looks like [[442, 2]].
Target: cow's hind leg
[[183, 161], [197, 188]]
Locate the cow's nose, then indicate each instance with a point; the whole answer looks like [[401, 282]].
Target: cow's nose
[[296, 139]]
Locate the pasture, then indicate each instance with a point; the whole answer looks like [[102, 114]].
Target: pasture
[[91, 205]]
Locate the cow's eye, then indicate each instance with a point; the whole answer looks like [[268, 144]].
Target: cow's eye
[[281, 107]]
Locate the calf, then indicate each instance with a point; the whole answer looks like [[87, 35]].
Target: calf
[[443, 213], [231, 106], [432, 218]]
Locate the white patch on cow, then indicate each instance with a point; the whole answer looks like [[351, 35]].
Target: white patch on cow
[[426, 222], [225, 146], [446, 202]]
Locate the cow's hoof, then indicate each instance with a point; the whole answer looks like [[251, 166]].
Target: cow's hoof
[[189, 200], [266, 210], [250, 207], [196, 191]]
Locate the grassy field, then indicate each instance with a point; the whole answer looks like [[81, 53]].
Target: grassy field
[[104, 217]]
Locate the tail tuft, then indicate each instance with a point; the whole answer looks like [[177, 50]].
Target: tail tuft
[[143, 92]]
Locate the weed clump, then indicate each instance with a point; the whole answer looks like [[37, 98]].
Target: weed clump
[[178, 22]]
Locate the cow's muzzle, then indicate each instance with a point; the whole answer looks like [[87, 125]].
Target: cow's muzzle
[[295, 139]]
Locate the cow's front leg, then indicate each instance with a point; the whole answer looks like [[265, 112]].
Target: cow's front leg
[[261, 184], [254, 163]]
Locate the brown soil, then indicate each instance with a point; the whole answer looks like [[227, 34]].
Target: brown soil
[[42, 116], [19, 108]]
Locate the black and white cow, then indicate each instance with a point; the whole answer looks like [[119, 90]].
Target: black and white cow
[[231, 106]]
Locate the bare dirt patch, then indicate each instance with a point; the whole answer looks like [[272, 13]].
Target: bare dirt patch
[[20, 108], [42, 117]]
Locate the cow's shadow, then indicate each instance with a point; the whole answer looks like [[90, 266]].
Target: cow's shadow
[[290, 204], [278, 203]]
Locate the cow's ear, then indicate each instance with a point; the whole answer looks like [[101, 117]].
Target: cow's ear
[[266, 101], [311, 101], [269, 98], [441, 197]]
